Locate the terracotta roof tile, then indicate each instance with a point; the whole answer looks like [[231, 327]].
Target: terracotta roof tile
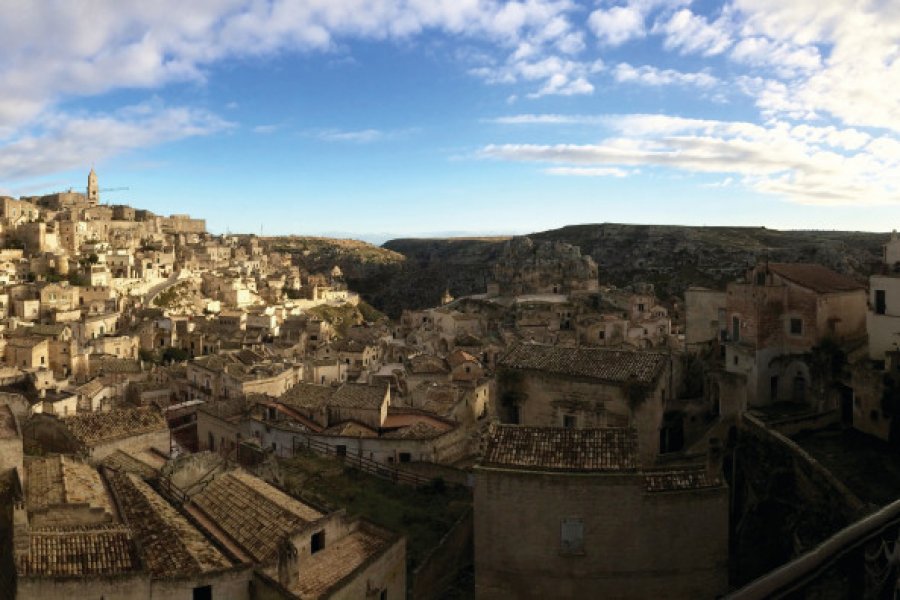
[[93, 428], [252, 513], [816, 277], [357, 395], [617, 366], [169, 544], [559, 449], [68, 552]]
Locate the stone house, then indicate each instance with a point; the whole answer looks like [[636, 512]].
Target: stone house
[[99, 434], [552, 386], [30, 352], [705, 321], [778, 314], [58, 297], [69, 541], [574, 513], [464, 367]]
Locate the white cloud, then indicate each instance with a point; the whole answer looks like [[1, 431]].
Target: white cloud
[[560, 76], [548, 119], [649, 75], [803, 164], [54, 52], [856, 43], [362, 136], [63, 141], [693, 34], [617, 25], [786, 58], [588, 171]]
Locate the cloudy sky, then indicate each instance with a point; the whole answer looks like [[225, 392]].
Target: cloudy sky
[[404, 117]]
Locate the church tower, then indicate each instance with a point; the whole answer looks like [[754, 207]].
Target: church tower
[[93, 190]]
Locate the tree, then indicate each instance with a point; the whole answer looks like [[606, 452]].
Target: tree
[[175, 355]]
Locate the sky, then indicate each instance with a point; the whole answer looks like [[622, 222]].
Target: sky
[[377, 119]]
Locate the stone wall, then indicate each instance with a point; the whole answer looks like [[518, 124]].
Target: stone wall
[[784, 501], [116, 587], [442, 565], [634, 544]]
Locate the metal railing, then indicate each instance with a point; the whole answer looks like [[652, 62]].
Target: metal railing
[[366, 465], [864, 556]]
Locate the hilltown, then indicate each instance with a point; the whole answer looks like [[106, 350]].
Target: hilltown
[[182, 414]]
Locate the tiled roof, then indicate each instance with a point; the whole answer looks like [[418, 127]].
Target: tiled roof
[[617, 366], [61, 480], [307, 395], [358, 395], [559, 449], [252, 513], [169, 544], [458, 357], [67, 552], [122, 461], [427, 363], [93, 428], [816, 277], [416, 431], [351, 428], [25, 342], [90, 388], [330, 566], [679, 479]]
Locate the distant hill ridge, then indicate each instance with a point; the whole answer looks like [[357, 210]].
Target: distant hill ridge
[[416, 271]]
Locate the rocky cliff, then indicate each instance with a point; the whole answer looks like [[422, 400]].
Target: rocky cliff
[[671, 257], [413, 273]]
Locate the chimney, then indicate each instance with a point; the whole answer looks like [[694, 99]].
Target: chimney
[[21, 533], [288, 564]]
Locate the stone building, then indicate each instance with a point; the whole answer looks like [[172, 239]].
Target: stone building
[[551, 386], [775, 317], [128, 429], [704, 316], [573, 513], [883, 316]]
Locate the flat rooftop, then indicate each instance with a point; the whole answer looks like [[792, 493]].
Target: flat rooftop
[[337, 561]]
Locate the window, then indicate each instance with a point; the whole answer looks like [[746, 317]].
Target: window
[[735, 329], [203, 593], [880, 302], [341, 450], [571, 536], [735, 359], [602, 335], [796, 326], [760, 278], [317, 542], [570, 421], [405, 457], [640, 308]]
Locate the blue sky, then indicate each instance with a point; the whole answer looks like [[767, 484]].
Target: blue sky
[[376, 118]]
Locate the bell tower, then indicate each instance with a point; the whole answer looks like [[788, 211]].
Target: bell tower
[[93, 190]]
